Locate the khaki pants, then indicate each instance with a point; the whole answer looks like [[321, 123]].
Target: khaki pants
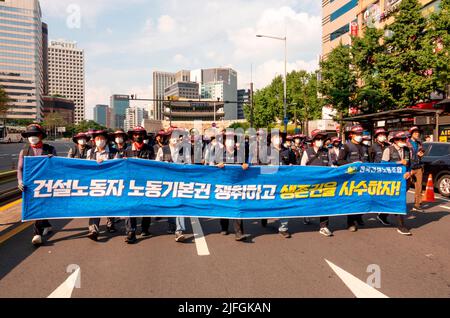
[[418, 183]]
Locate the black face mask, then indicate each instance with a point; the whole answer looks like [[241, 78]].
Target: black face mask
[[139, 139]]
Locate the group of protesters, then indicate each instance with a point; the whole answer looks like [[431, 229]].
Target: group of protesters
[[222, 148]]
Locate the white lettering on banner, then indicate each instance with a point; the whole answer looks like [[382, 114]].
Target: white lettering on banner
[[381, 170], [245, 192]]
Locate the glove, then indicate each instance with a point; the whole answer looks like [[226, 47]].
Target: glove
[[21, 186]]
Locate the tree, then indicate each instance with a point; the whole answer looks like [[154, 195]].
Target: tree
[[439, 37], [370, 94], [338, 81], [4, 103], [53, 120], [405, 65]]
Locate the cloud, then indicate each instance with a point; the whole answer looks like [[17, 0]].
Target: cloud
[[166, 24]]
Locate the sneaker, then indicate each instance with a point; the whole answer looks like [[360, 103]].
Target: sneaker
[[111, 229], [383, 220], [306, 221], [179, 237], [241, 237], [417, 210], [285, 234], [224, 233], [404, 231], [37, 240], [146, 234], [47, 231], [326, 232], [93, 235], [352, 228], [131, 238]]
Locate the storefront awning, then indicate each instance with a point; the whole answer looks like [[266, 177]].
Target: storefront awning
[[394, 114]]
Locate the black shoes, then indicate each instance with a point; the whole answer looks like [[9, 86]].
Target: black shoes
[[93, 235], [111, 229], [241, 237], [131, 238], [264, 223], [383, 219]]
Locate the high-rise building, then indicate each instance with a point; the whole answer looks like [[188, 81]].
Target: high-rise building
[[134, 117], [243, 99], [342, 18], [119, 105], [101, 115], [66, 74], [221, 83], [45, 57], [21, 58], [187, 90], [64, 107], [161, 80], [183, 76]]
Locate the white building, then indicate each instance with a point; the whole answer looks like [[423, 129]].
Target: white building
[[161, 80], [66, 74], [134, 116], [21, 58]]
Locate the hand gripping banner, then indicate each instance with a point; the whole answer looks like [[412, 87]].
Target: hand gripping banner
[[61, 188]]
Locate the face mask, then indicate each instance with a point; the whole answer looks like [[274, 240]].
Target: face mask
[[358, 139], [146, 141], [297, 142], [319, 143], [119, 140], [34, 140], [401, 144], [81, 142], [366, 142], [382, 138], [100, 143]]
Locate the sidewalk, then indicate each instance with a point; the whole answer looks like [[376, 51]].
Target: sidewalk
[[10, 216]]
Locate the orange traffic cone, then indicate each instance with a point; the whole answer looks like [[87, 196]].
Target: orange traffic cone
[[429, 192]]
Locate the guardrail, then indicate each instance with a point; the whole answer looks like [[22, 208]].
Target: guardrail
[[12, 193]]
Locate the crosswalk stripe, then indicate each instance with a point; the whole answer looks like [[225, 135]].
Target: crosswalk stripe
[[200, 241]]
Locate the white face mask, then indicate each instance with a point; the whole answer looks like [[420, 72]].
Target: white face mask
[[401, 144], [382, 138], [100, 143], [119, 140], [318, 143], [34, 140], [81, 142], [358, 139], [146, 141], [366, 142]]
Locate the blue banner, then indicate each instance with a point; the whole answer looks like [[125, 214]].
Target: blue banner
[[60, 188]]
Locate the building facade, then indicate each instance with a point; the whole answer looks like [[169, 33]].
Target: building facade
[[21, 58], [134, 117], [185, 110], [243, 99], [101, 115], [341, 18], [119, 105], [45, 58], [66, 74], [187, 90], [62, 106], [161, 80]]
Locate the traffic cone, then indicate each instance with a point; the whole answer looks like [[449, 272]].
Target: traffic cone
[[429, 192]]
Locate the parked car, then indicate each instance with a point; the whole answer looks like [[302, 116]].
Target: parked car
[[437, 162]]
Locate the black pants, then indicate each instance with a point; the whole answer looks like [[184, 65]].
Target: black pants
[[324, 221], [131, 224], [40, 225], [237, 224], [352, 219]]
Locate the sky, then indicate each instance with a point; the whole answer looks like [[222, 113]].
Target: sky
[[125, 41]]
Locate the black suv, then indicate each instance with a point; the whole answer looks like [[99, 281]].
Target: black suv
[[437, 162]]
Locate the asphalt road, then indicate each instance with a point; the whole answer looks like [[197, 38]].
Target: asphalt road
[[267, 266], [9, 153]]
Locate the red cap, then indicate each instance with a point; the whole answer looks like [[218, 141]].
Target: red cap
[[138, 130], [335, 139], [358, 129], [316, 133], [380, 131], [399, 135], [415, 128]]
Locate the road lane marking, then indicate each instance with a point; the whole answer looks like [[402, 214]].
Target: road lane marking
[[436, 195], [200, 241], [10, 205], [65, 289], [15, 231], [356, 286], [445, 207]]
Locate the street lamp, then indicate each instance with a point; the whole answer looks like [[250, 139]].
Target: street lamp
[[285, 73], [218, 100]]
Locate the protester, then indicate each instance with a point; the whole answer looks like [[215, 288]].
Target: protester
[[417, 152], [34, 148], [335, 151], [318, 155], [81, 147], [100, 152], [354, 152], [120, 138], [400, 154]]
